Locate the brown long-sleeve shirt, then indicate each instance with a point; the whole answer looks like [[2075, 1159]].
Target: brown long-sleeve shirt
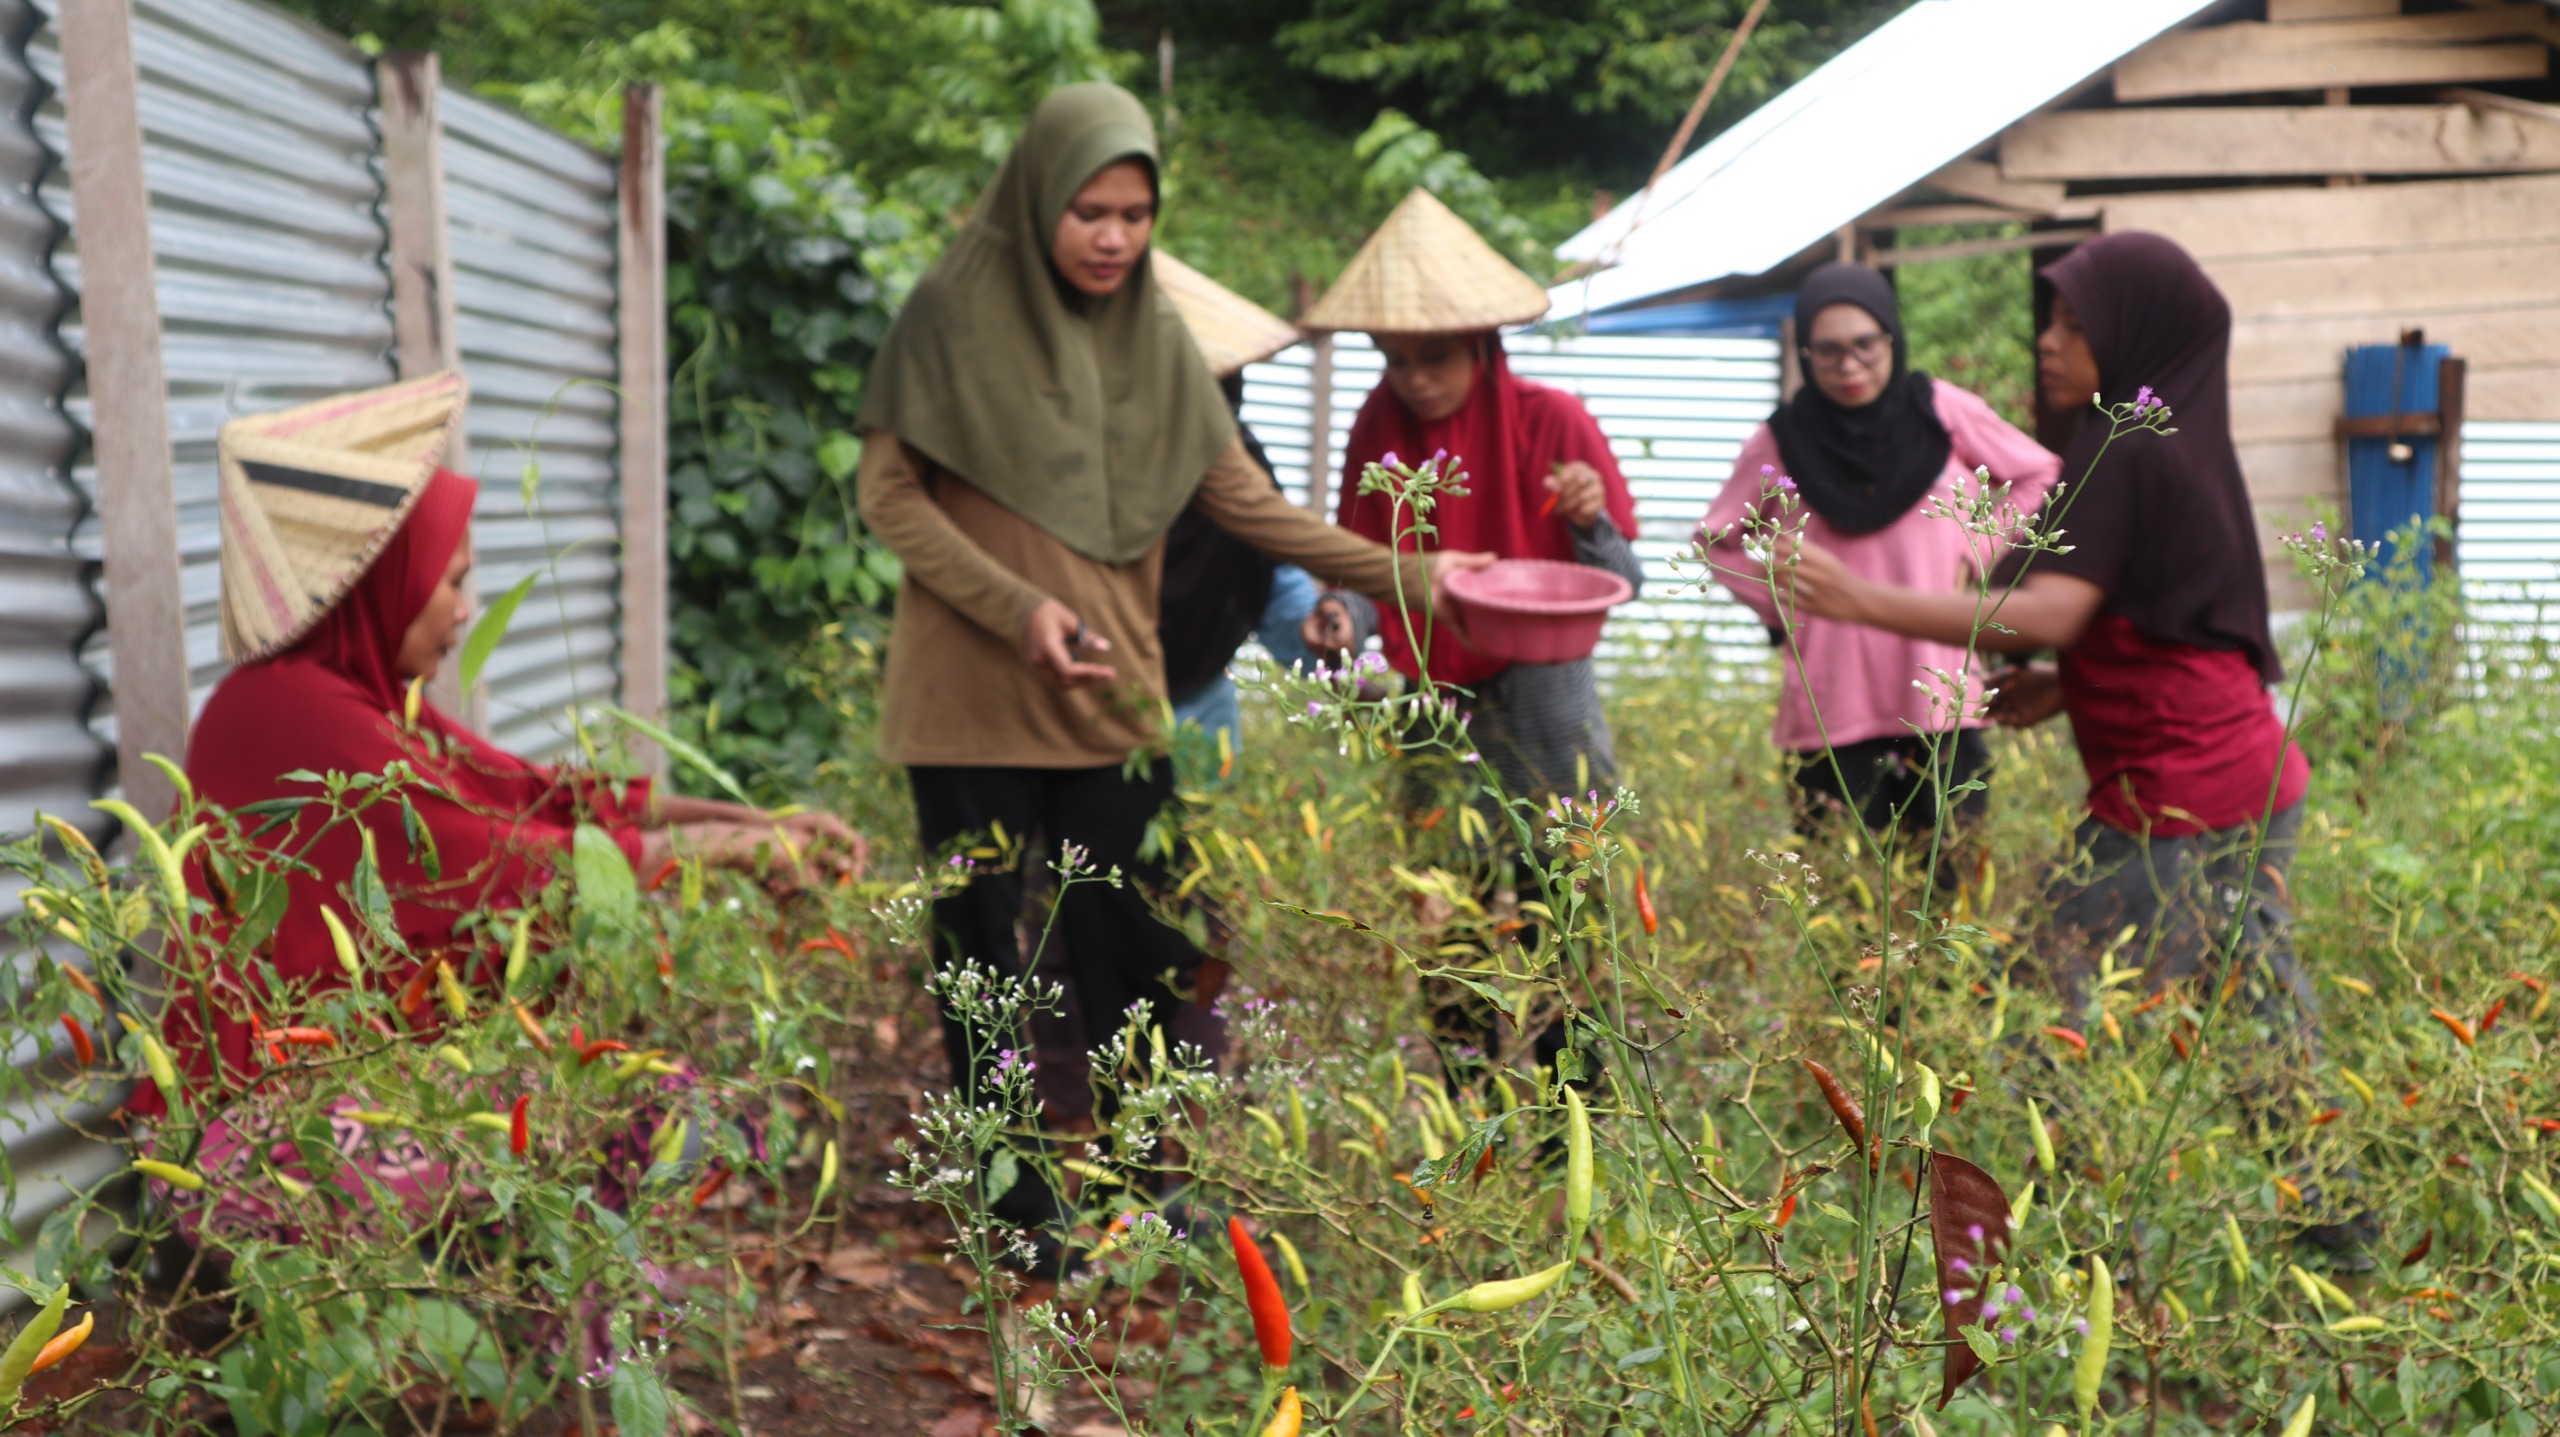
[[957, 691]]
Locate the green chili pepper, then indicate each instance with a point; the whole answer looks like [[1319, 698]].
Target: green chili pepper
[[2310, 1290], [1924, 1106], [186, 1179], [2239, 1246], [154, 847], [1510, 1293], [1297, 1119], [519, 949], [2043, 1139], [20, 1355], [2299, 1424], [826, 1175], [1577, 1168], [1412, 1294], [2346, 1326], [2089, 1364], [156, 1058], [1289, 1256], [460, 1060]]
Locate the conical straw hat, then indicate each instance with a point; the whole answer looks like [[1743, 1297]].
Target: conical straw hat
[[310, 495], [1231, 330], [1426, 271]]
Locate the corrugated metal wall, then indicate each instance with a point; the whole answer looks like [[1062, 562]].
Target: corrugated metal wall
[[49, 759], [1676, 410], [266, 226], [2509, 543], [533, 222]]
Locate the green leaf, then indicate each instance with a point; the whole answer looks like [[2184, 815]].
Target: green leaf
[[677, 748], [606, 886], [642, 1406], [491, 631], [1979, 1339], [838, 454]]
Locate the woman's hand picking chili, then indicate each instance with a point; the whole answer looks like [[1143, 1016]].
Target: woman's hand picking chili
[[1579, 497], [2029, 694], [1812, 580], [1052, 640]]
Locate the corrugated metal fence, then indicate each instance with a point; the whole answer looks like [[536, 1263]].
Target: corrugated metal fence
[[532, 220], [1676, 410], [262, 156], [267, 230], [2509, 542]]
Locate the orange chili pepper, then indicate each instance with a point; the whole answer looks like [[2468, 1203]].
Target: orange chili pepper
[[2548, 1125], [532, 1026], [413, 994], [2440, 1314], [2178, 1042], [519, 1132], [300, 1037], [2323, 1119], [2489, 1019], [2459, 1160], [659, 879], [2409, 1099], [2154, 1001], [1853, 1119], [81, 1046], [1431, 820], [2287, 1189], [2527, 980], [1261, 1297], [2453, 1025], [64, 1344], [666, 961], [599, 1048], [2072, 1036], [711, 1186], [1644, 904], [1786, 1209], [1484, 1163], [87, 985]]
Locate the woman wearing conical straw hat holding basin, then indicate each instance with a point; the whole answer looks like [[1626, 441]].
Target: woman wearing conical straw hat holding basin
[[1541, 486], [1034, 422]]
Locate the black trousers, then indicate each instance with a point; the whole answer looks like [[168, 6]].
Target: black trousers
[[1119, 952], [1886, 775]]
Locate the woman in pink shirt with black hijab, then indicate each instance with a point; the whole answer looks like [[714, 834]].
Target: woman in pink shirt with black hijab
[[1858, 457]]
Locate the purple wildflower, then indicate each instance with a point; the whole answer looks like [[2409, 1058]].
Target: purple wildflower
[[2011, 1294], [1990, 1311], [2319, 532], [2009, 1334], [2081, 1327], [1957, 1264], [1955, 1296], [1974, 1231], [2027, 1315], [1390, 461], [2143, 399]]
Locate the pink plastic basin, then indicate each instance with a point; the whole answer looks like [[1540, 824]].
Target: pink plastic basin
[[1536, 611]]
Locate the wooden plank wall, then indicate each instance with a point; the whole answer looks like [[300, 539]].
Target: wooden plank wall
[[2310, 271]]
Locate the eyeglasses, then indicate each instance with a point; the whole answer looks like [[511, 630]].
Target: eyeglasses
[[1831, 353]]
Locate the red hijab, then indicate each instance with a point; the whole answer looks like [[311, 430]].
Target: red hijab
[[1508, 437], [332, 704]]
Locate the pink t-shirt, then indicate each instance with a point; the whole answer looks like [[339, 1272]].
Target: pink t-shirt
[[1862, 677]]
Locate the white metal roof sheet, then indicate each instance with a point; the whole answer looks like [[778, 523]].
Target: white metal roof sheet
[[1928, 87]]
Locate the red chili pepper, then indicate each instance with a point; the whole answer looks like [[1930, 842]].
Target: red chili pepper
[[1956, 1098], [1510, 1393], [2425, 1245], [413, 994], [300, 1037], [84, 1049], [519, 1132], [659, 879], [710, 1186], [1644, 904], [599, 1048], [578, 1036], [1261, 1297], [2459, 1160], [2548, 1125], [2489, 1019], [88, 986], [2154, 1001], [1786, 1209], [2178, 1041], [1466, 1412], [1484, 1163], [1853, 1119], [1549, 508], [2527, 980], [2409, 1099], [2454, 1025], [2071, 1036], [2323, 1119], [835, 940], [666, 961], [1431, 820]]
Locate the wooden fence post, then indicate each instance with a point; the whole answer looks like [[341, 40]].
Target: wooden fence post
[[424, 333], [642, 323], [128, 396]]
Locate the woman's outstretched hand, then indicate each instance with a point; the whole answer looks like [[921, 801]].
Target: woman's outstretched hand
[[2029, 694], [1052, 641], [1327, 629], [1810, 579]]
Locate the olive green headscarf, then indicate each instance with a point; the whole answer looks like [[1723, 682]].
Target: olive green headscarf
[[1092, 418]]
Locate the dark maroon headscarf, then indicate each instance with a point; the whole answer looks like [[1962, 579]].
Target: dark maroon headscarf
[[2164, 524], [333, 704]]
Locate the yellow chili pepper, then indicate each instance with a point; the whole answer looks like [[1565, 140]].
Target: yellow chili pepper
[[2349, 1326], [2089, 1364], [2356, 1083], [343, 941], [456, 1002], [519, 949], [1577, 1168], [827, 1164], [1290, 1415], [1289, 1257], [2542, 1190], [2299, 1424], [373, 1117], [2311, 1292], [156, 1059], [459, 1060], [1510, 1293], [1297, 1116], [494, 1122], [170, 1173], [1412, 1294]]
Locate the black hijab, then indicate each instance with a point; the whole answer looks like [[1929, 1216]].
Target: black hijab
[[2164, 524], [1863, 468]]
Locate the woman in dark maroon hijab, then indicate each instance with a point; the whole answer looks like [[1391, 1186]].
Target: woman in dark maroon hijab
[[2159, 615]]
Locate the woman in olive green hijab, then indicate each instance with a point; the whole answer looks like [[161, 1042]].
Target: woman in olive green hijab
[[1036, 419]]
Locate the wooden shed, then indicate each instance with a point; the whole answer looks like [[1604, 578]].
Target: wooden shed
[[2349, 171]]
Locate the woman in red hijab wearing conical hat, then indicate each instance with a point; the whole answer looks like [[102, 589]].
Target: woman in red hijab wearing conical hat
[[346, 554]]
